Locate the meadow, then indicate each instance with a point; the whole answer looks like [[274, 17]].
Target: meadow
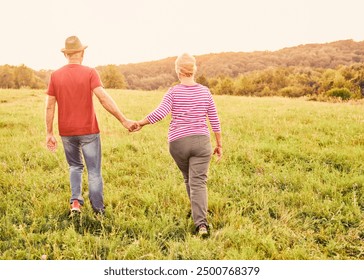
[[290, 185]]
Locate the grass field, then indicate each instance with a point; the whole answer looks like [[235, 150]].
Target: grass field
[[290, 185]]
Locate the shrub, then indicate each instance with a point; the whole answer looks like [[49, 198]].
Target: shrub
[[224, 86], [291, 91], [343, 93], [112, 77]]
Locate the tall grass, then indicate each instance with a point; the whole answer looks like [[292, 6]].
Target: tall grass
[[290, 185]]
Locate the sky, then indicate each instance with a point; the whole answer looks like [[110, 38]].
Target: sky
[[132, 31]]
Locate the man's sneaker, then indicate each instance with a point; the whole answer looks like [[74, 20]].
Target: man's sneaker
[[75, 206], [202, 231]]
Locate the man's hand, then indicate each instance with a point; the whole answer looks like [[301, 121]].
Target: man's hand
[[51, 142]]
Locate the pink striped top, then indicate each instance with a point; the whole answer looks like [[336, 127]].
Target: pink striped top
[[189, 105]]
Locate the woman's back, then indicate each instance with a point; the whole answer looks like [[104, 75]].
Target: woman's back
[[189, 105]]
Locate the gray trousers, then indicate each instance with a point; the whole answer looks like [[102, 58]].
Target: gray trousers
[[192, 155]]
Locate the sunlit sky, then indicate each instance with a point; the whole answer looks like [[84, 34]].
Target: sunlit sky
[[131, 31]]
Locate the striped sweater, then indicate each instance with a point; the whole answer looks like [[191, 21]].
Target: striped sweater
[[189, 105]]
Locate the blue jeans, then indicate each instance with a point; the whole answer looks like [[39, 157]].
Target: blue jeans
[[90, 147]]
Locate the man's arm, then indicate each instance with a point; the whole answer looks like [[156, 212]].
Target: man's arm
[[51, 141], [109, 104]]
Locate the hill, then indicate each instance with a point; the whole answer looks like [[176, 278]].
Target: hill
[[159, 74]]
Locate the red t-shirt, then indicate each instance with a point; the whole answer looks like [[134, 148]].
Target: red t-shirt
[[73, 86]]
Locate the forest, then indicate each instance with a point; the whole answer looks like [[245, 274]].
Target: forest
[[328, 70]]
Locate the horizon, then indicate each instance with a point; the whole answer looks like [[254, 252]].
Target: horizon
[[130, 32], [197, 55]]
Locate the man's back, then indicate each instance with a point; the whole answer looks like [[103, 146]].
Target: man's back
[[73, 85]]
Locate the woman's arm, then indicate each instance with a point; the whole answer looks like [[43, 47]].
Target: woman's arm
[[162, 110], [158, 114], [143, 122], [216, 127], [218, 149]]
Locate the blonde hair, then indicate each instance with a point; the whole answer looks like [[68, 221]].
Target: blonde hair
[[185, 65]]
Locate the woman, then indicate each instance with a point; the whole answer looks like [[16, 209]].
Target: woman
[[188, 136]]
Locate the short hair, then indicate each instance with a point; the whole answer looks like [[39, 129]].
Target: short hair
[[75, 54], [185, 65]]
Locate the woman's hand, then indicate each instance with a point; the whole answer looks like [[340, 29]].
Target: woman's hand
[[218, 149], [218, 152]]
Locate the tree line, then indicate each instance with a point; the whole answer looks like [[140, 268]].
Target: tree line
[[160, 74], [22, 76], [332, 69], [345, 82]]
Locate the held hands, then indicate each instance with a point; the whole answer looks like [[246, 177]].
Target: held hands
[[130, 125], [134, 126], [138, 126]]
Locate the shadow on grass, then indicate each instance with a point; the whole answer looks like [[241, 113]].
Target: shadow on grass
[[86, 224]]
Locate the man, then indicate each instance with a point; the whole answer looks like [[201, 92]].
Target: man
[[71, 88]]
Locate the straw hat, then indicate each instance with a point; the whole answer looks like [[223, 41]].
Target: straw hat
[[72, 45]]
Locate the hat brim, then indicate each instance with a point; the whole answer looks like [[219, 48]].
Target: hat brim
[[64, 50]]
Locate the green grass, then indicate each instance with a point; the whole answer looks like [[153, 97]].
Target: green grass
[[290, 185]]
